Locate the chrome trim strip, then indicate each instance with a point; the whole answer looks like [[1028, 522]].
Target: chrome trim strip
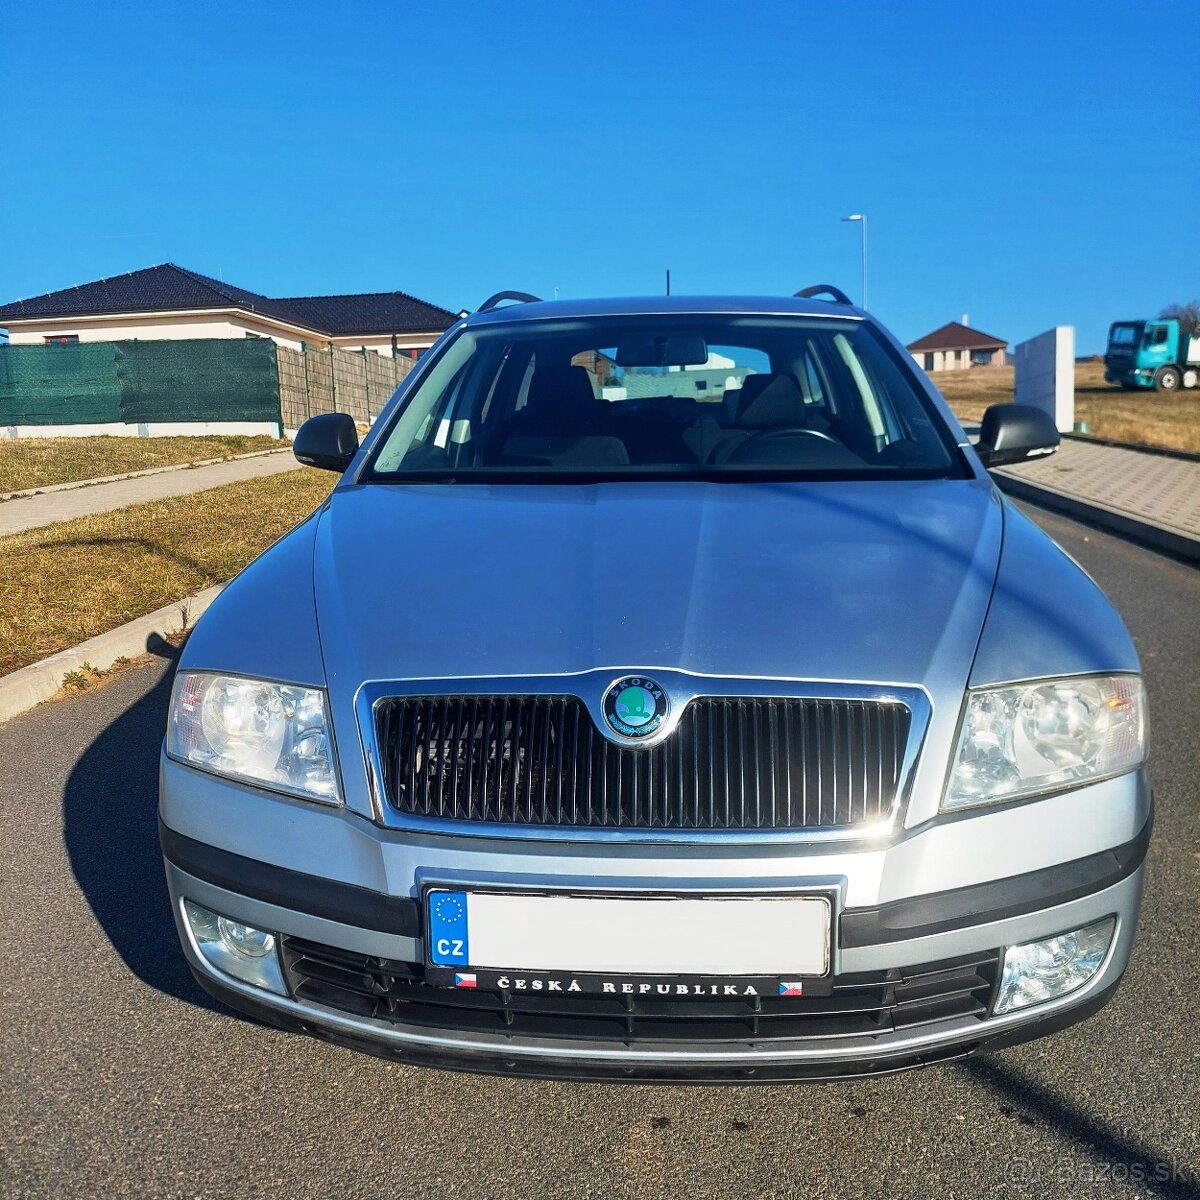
[[682, 687]]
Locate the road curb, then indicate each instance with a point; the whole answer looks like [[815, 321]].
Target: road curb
[[75, 484], [1136, 447], [36, 683], [1156, 537]]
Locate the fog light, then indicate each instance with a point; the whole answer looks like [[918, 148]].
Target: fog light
[[235, 948], [245, 939], [1038, 971]]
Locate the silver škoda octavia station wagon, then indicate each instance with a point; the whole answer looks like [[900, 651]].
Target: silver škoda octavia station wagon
[[665, 692]]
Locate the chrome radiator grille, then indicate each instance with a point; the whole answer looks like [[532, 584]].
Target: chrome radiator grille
[[735, 763]]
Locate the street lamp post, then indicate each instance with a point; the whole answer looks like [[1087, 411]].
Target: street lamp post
[[861, 218]]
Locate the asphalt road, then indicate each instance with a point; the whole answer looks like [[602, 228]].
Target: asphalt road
[[118, 1077]]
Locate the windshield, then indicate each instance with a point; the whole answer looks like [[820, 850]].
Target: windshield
[[1124, 335], [648, 397]]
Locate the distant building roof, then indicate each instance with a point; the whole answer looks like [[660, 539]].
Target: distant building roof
[[368, 312], [956, 336], [170, 288]]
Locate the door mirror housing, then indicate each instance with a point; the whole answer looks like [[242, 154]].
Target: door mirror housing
[[1012, 433], [328, 441]]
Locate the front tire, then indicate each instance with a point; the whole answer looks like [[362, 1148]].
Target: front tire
[[1168, 379]]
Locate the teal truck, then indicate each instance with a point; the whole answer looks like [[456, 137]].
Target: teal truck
[[1152, 354]]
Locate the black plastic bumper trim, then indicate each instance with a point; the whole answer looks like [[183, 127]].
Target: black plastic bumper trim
[[978, 904], [582, 1067], [997, 900], [328, 898]]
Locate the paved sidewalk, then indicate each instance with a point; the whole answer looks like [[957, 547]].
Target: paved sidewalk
[[32, 512], [1120, 488]]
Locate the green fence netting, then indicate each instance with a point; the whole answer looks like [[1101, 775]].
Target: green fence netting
[[210, 380], [138, 382], [59, 385]]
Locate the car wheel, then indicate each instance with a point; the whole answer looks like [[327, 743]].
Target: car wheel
[[1167, 379]]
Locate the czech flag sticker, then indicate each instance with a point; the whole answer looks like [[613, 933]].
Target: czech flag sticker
[[792, 988], [465, 980]]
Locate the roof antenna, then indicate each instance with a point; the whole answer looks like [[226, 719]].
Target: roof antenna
[[668, 281]]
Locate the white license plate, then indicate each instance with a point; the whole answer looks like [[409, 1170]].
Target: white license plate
[[630, 935]]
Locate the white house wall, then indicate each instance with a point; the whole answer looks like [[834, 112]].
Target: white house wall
[[170, 327], [952, 360], [181, 326], [382, 343]]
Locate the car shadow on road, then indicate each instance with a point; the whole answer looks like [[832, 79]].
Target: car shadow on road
[[110, 828], [1105, 1153]]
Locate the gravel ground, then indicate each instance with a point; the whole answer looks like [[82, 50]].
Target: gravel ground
[[118, 1077]]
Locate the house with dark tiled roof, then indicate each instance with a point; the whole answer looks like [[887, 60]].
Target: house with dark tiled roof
[[171, 302], [956, 346]]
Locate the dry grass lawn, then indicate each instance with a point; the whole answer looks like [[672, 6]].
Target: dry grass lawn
[[68, 582], [1149, 418], [40, 462]]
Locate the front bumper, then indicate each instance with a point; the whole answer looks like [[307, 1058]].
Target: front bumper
[[962, 888], [586, 1061]]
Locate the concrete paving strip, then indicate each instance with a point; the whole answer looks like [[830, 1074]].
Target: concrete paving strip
[[1150, 498], [30, 686], [1156, 537], [72, 484], [34, 512]]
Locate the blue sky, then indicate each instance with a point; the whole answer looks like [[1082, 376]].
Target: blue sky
[[1030, 164]]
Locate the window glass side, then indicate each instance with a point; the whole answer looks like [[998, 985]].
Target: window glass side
[[426, 404], [901, 427], [811, 376]]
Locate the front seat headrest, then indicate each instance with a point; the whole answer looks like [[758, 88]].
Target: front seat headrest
[[770, 401], [560, 389]]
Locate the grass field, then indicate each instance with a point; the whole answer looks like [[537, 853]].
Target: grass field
[[1149, 418], [40, 462], [68, 582]]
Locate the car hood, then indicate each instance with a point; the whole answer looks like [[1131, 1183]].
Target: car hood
[[873, 582]]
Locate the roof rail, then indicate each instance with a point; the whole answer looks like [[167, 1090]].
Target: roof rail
[[827, 289], [520, 297]]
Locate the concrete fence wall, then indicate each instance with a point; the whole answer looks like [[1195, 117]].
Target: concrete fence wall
[[1045, 374], [321, 379]]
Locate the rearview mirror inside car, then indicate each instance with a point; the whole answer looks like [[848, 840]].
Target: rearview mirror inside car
[[680, 351]]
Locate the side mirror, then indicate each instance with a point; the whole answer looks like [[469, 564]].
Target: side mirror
[[328, 441], [1011, 433]]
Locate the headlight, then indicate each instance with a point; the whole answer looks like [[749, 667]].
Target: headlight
[[1036, 737], [275, 734]]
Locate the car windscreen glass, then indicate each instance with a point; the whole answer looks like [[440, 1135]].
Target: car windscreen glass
[[1124, 335], [700, 396]]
